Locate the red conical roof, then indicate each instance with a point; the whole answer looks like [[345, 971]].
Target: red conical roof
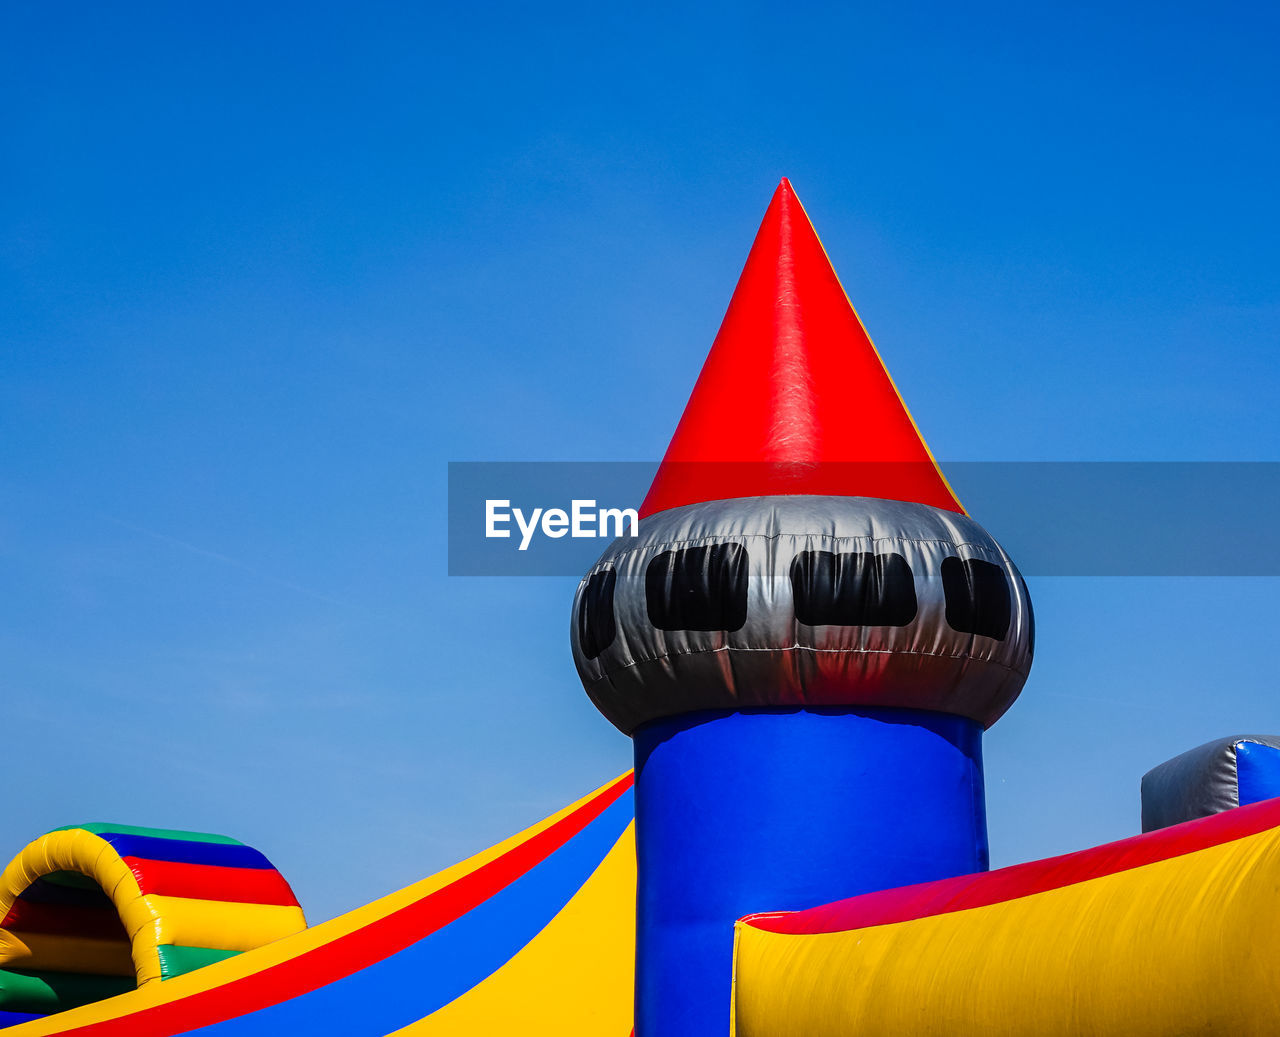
[[793, 397]]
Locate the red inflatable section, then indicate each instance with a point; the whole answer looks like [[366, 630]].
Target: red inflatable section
[[794, 398], [965, 892]]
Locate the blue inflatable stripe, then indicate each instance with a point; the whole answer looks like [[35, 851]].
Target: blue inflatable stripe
[[1257, 772], [184, 851], [14, 1018], [425, 977]]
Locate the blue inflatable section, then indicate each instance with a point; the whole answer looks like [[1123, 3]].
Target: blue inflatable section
[[855, 801], [14, 1018], [1257, 771], [185, 851]]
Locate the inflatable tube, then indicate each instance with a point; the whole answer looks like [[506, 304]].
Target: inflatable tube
[[1219, 775], [1172, 932]]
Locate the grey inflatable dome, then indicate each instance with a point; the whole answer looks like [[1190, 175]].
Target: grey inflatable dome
[[803, 601]]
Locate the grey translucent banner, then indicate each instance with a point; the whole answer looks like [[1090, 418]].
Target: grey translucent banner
[[1055, 518]]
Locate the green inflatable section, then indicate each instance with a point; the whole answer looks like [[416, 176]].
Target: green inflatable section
[[48, 992], [175, 960]]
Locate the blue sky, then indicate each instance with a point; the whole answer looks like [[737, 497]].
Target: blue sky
[[265, 272]]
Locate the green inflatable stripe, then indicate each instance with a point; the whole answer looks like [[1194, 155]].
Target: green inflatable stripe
[[71, 878], [101, 828], [50, 992], [177, 961]]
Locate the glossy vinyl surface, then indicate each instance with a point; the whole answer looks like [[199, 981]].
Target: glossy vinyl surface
[[804, 601]]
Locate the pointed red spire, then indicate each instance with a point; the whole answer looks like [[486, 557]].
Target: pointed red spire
[[794, 388]]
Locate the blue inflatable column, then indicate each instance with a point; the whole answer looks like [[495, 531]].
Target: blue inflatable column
[[742, 812]]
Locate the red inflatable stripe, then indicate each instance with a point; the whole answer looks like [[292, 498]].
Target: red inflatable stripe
[[359, 949], [99, 923], [211, 882], [1022, 880]]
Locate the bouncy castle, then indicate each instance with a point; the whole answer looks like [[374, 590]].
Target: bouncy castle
[[805, 640]]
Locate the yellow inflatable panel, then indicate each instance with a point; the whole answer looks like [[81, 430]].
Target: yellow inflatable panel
[[1170, 933], [212, 923], [53, 952], [579, 971]]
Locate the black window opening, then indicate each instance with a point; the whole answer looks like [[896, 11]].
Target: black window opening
[[596, 625], [698, 588], [853, 588], [978, 599]]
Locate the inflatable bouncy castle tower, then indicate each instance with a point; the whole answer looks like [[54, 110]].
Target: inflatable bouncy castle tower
[[805, 640]]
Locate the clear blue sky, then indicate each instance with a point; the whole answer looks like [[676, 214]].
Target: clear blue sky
[[266, 269]]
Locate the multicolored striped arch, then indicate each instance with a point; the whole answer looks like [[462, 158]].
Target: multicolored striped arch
[[94, 910]]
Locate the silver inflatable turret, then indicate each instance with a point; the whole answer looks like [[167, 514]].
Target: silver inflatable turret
[[803, 601]]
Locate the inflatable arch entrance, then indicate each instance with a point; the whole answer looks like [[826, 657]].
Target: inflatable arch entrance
[[94, 910]]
